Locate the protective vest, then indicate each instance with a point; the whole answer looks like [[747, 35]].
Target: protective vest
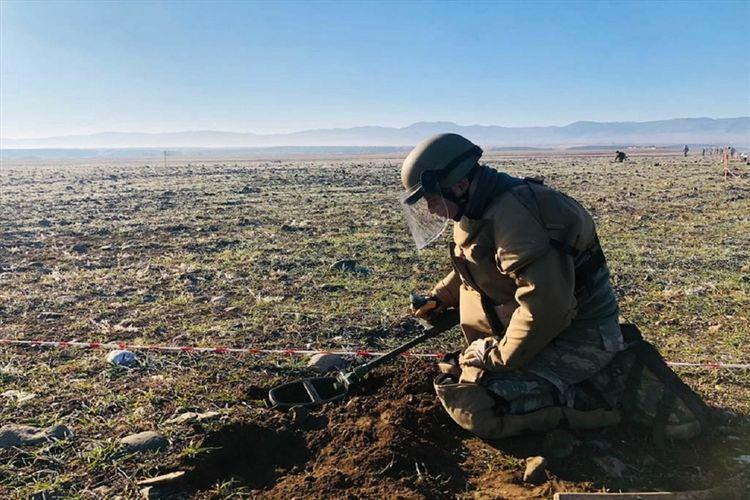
[[529, 270]]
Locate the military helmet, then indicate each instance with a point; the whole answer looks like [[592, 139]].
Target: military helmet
[[437, 163], [431, 169]]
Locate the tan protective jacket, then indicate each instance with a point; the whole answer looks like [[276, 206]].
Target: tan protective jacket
[[508, 276]]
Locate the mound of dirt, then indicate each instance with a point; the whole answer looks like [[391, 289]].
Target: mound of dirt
[[389, 438], [392, 438]]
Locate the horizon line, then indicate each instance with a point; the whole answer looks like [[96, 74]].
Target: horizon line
[[90, 134]]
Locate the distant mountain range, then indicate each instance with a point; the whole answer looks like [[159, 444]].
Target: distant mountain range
[[734, 131]]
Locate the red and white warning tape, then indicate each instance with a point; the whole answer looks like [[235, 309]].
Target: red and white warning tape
[[216, 350], [289, 351]]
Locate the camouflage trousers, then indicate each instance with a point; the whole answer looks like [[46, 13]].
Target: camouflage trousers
[[521, 392], [558, 374]]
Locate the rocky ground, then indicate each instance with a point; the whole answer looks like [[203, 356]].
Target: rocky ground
[[242, 254]]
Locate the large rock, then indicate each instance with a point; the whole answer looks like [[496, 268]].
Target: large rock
[[536, 470], [325, 362], [23, 435], [144, 441]]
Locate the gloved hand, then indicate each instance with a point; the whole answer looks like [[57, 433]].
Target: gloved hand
[[473, 361], [476, 354], [429, 309]]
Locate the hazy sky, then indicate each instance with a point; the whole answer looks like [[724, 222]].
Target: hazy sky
[[84, 67]]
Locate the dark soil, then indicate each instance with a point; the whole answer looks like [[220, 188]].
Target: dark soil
[[392, 438]]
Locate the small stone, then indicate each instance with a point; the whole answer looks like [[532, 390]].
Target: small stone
[[163, 479], [182, 418], [344, 265], [122, 358], [613, 467], [191, 416], [559, 443], [351, 266], [325, 362], [79, 248], [144, 441], [22, 435], [299, 414], [536, 470], [329, 287]]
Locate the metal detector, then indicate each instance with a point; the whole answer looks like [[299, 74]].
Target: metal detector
[[316, 391]]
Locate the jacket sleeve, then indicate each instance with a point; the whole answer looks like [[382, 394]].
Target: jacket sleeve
[[447, 290], [546, 306]]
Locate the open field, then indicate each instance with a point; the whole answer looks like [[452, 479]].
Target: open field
[[239, 254]]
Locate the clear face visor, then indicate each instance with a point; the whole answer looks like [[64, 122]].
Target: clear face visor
[[426, 216]]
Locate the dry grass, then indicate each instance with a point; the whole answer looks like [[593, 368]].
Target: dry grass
[[239, 254]]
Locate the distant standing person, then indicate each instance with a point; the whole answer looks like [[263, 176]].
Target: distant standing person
[[732, 151], [725, 162], [703, 152], [685, 150]]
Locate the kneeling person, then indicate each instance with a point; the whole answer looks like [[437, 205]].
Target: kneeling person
[[532, 287]]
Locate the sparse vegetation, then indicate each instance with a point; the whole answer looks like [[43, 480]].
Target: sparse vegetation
[[239, 254]]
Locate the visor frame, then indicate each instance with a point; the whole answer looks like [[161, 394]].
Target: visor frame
[[428, 184], [429, 180]]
